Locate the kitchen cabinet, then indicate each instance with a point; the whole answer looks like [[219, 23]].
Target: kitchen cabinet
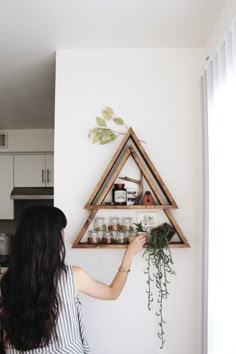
[[33, 170], [6, 185]]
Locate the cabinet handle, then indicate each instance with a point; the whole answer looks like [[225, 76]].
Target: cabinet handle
[[47, 175], [43, 176]]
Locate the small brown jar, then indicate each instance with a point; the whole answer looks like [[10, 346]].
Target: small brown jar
[[114, 224], [119, 194], [93, 237], [107, 239]]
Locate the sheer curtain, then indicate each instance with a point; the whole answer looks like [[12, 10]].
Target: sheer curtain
[[219, 98]]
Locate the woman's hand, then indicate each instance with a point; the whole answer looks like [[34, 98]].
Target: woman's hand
[[137, 244]]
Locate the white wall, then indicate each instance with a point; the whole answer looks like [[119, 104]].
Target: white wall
[[157, 92]]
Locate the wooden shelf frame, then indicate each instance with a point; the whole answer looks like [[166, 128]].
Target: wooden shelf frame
[[115, 245], [148, 170], [122, 154], [156, 206]]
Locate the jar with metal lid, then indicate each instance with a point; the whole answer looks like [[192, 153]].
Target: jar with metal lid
[[119, 194], [127, 224], [114, 224], [106, 239], [93, 237], [99, 224]]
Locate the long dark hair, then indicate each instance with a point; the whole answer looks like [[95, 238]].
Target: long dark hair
[[29, 298]]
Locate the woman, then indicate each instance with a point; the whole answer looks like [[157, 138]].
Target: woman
[[39, 307]]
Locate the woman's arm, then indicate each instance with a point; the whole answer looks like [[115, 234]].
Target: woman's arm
[[86, 284]]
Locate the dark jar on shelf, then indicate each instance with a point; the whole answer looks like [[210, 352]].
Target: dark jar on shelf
[[119, 194], [106, 239], [114, 224], [93, 237]]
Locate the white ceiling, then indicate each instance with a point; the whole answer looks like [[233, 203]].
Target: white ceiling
[[32, 30]]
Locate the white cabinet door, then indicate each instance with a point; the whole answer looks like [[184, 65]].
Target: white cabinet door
[[6, 186], [49, 170], [33, 170], [29, 170]]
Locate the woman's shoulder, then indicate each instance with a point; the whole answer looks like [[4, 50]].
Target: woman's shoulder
[[76, 271]]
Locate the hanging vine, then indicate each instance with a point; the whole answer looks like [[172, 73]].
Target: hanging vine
[[158, 256]]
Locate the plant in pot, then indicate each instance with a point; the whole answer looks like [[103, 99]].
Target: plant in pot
[[139, 226], [159, 266]]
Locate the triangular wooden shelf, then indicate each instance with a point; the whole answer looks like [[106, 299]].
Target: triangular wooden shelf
[[117, 162], [130, 147]]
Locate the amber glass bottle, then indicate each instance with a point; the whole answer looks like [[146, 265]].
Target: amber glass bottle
[[119, 194]]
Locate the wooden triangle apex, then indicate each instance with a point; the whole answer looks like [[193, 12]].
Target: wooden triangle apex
[[131, 135]]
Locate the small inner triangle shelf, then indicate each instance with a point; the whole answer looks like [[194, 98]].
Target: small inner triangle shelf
[[130, 148]]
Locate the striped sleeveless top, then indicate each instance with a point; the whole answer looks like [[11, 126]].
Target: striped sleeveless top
[[70, 330]]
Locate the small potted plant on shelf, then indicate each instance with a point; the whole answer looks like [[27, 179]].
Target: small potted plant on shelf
[[159, 266], [139, 227]]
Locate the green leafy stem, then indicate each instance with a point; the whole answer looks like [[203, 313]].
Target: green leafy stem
[[102, 133]]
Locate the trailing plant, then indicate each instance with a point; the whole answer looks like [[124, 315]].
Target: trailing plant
[[158, 256], [103, 133]]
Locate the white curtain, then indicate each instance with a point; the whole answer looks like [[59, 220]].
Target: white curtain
[[219, 97]]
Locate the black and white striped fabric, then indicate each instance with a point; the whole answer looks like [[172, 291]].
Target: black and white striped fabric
[[70, 328]]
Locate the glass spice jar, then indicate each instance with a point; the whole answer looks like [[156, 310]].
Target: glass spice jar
[[120, 238], [106, 239], [119, 194], [99, 224], [126, 236], [114, 224], [132, 236], [113, 236], [93, 237], [100, 235], [127, 224]]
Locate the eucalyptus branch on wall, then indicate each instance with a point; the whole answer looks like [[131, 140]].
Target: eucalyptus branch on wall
[[103, 133]]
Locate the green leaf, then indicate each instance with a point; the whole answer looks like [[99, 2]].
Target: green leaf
[[109, 110], [101, 122], [106, 115], [94, 130], [106, 138], [139, 226], [96, 137], [104, 131], [119, 121]]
